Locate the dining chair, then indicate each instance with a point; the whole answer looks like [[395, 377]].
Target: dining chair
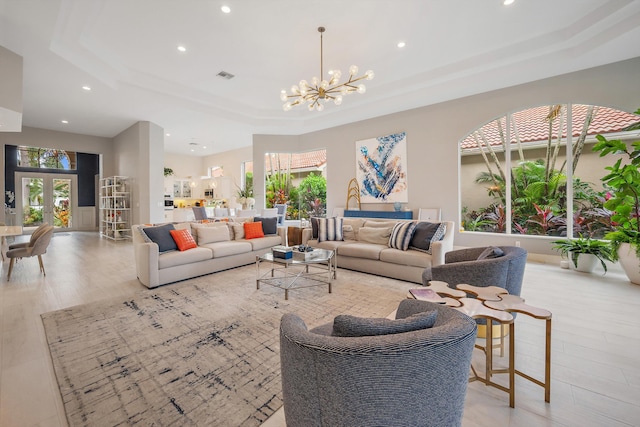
[[270, 213], [282, 212], [36, 233], [200, 213], [220, 212], [244, 213], [38, 248], [2, 242]]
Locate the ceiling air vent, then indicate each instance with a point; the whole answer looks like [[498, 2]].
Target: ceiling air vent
[[225, 75]]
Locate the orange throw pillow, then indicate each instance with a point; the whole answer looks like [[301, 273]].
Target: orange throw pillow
[[183, 239], [253, 230]]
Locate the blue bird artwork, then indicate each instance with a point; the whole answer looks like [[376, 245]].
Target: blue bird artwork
[[380, 168]]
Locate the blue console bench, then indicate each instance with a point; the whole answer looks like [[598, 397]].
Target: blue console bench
[[379, 214]]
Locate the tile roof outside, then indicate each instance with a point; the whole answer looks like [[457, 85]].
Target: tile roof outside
[[306, 160], [533, 126]]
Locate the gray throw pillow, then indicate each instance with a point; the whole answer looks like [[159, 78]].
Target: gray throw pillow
[[491, 252], [425, 234], [161, 235], [350, 326], [269, 225]]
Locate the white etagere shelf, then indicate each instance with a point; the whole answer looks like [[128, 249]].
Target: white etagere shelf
[[115, 208]]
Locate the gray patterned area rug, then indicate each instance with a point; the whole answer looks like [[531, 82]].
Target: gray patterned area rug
[[200, 352]]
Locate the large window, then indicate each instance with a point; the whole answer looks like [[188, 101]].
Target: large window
[[297, 180], [46, 158], [515, 170]]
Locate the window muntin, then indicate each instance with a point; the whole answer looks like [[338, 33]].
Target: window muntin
[[529, 154], [46, 158]]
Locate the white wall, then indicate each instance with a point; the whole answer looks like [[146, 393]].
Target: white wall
[[138, 156], [184, 167], [433, 133], [11, 65]]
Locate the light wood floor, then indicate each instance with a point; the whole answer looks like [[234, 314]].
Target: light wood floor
[[595, 353]]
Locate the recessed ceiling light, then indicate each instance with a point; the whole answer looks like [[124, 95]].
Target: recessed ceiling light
[[192, 150], [65, 121], [168, 134], [182, 48], [87, 88], [225, 9], [401, 44], [204, 146], [508, 2]]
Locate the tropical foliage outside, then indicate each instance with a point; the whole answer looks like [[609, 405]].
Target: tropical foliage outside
[[539, 197], [307, 199], [33, 210]]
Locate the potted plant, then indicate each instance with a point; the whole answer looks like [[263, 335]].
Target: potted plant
[[585, 253], [245, 197], [168, 172], [623, 182]]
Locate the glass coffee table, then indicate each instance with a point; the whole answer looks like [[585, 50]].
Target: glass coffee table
[[318, 268]]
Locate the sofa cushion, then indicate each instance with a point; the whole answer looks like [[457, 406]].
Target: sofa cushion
[[356, 223], [409, 257], [377, 235], [361, 250], [330, 245], [345, 325], [425, 234], [183, 226], [197, 226], [213, 234], [265, 242], [228, 248], [491, 252], [379, 223], [348, 232], [253, 230], [184, 239], [329, 229], [401, 235], [238, 231], [160, 234], [269, 225], [175, 258]]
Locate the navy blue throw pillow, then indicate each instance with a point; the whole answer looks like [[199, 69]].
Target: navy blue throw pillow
[[269, 225], [161, 235]]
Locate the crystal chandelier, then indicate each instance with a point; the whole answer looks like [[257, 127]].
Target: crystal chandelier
[[323, 90]]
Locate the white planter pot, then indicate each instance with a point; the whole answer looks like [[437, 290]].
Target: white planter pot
[[586, 263], [630, 262]]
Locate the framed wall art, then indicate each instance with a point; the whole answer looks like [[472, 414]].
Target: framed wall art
[[381, 169]]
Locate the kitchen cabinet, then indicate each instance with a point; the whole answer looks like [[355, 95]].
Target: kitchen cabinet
[[181, 189]]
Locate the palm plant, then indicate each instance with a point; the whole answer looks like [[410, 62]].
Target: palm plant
[[624, 182], [574, 247]]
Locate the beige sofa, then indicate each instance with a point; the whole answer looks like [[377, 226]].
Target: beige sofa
[[380, 259], [155, 269]]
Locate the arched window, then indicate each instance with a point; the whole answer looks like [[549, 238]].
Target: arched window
[[46, 158], [514, 171]]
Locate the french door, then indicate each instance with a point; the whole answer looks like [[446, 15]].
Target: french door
[[44, 197]]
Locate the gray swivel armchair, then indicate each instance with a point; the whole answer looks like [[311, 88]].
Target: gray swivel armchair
[[402, 379], [463, 266]]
